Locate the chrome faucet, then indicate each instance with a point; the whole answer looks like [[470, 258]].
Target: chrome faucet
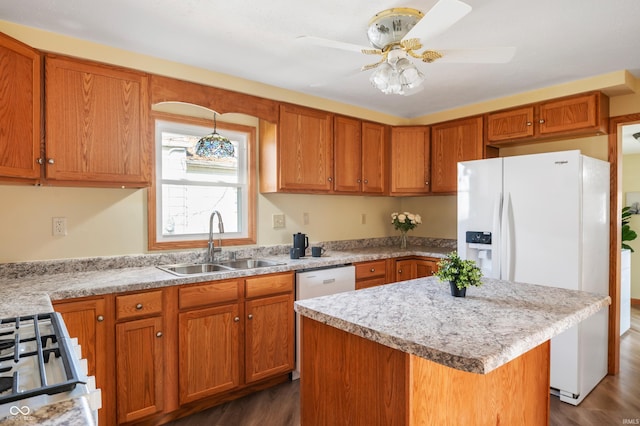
[[211, 249]]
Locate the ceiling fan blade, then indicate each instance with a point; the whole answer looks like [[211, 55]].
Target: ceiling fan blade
[[333, 44], [487, 55], [441, 16]]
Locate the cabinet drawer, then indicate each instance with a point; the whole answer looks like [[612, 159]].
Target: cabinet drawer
[[138, 304], [371, 269], [208, 294], [374, 282], [268, 284]]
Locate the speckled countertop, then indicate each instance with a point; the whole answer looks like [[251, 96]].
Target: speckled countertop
[[28, 288], [494, 324]]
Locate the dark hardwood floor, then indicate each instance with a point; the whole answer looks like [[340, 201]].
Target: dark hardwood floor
[[615, 401]]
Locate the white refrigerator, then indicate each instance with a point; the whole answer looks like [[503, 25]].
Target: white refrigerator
[[544, 219]]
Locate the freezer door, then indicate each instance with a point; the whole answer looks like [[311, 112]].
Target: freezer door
[[542, 219], [479, 207]]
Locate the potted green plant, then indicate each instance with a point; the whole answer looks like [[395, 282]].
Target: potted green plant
[[459, 273], [628, 234]]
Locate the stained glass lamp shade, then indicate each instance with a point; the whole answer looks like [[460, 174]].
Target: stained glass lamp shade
[[214, 145]]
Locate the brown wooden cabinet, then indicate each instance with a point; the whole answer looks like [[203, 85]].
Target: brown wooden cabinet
[[569, 116], [451, 142], [414, 267], [360, 156], [139, 354], [426, 267], [20, 110], [89, 321], [305, 150], [410, 160], [96, 124], [371, 274]]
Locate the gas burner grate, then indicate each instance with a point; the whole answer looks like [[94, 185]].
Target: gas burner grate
[[56, 334]]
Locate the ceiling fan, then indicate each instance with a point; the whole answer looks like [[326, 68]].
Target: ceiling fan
[[398, 34]]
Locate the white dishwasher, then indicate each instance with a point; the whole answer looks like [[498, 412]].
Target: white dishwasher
[[321, 282]]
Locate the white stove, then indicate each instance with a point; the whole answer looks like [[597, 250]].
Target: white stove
[[41, 365]]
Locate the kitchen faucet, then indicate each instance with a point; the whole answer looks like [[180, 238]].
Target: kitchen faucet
[[211, 249]]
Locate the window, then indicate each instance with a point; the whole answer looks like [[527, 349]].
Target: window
[[189, 187]]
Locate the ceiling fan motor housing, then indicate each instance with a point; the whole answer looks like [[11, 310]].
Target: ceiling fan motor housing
[[390, 26]]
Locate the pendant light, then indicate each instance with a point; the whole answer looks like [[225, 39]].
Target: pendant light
[[214, 145]]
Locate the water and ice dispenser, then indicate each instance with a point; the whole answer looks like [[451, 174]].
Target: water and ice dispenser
[[478, 247]]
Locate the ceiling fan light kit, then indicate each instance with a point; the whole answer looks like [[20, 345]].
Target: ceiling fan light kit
[[397, 75]]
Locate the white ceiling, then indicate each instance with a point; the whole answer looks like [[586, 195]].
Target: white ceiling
[[630, 145], [557, 41]]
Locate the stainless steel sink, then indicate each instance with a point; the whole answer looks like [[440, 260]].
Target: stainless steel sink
[[182, 269], [185, 269], [250, 263]]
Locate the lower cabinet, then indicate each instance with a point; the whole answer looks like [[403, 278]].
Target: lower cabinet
[[371, 274], [161, 353], [414, 267]]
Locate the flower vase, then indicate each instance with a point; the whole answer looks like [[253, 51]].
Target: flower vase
[[457, 292], [403, 239]]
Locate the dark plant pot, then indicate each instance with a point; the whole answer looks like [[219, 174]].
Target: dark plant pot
[[456, 292]]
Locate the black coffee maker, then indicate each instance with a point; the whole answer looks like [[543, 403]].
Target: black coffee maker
[[301, 241]]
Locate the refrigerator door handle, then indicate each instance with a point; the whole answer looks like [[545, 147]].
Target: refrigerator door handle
[[497, 236], [507, 240]]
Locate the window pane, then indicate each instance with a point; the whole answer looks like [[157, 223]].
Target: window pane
[[186, 209]]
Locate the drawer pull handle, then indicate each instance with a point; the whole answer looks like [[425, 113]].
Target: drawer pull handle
[[159, 334], [139, 306], [100, 318]]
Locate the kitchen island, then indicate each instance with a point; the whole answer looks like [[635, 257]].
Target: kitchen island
[[411, 354]]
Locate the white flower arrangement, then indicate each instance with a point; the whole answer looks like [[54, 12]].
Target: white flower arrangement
[[405, 221]]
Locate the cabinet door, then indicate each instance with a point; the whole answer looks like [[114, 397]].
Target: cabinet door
[[20, 106], [405, 269], [347, 153], [425, 267], [410, 160], [139, 367], [512, 124], [305, 152], [459, 140], [269, 337], [87, 320], [564, 115], [96, 121], [374, 158], [209, 351]]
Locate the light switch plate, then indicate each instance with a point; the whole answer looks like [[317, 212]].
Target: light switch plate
[[278, 221]]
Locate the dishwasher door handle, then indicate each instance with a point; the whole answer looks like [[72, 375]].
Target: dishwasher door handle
[[329, 281]]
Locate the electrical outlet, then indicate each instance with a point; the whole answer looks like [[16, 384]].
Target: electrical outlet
[[305, 218], [363, 218], [278, 221], [59, 225]]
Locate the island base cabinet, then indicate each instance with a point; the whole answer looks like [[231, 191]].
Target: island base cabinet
[[346, 379]]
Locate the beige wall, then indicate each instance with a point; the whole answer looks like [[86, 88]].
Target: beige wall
[[103, 222]]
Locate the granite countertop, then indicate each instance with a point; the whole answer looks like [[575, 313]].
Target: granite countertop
[[494, 324], [29, 288]]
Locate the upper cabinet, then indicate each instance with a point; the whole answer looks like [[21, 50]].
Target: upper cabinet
[[410, 160], [20, 111], [360, 154], [96, 124], [296, 155], [453, 141], [571, 116]]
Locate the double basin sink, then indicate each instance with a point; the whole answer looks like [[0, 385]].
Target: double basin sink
[[187, 269]]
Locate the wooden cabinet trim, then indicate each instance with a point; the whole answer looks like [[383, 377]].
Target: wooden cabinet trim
[[210, 293]]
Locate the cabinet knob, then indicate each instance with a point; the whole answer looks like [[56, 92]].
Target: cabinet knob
[[426, 183], [330, 179], [236, 319], [358, 180], [541, 121], [100, 318], [372, 270], [529, 123], [40, 161], [250, 316], [366, 181], [159, 334], [399, 271], [139, 306], [50, 161]]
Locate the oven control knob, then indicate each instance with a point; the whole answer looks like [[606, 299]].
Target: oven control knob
[[139, 306], [159, 334], [100, 318]]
